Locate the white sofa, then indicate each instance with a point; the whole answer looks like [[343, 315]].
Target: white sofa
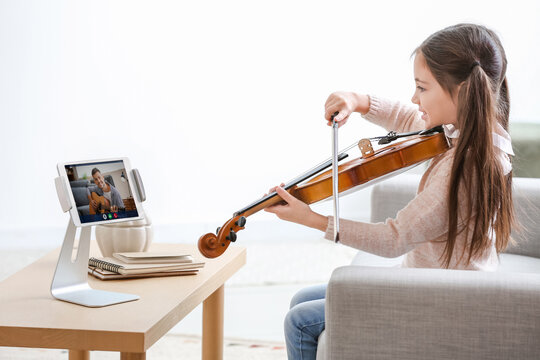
[[384, 312]]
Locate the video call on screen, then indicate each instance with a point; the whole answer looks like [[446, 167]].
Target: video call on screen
[[101, 191]]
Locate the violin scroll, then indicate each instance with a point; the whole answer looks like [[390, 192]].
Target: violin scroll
[[213, 245]]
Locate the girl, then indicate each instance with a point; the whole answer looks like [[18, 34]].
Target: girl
[[462, 214]]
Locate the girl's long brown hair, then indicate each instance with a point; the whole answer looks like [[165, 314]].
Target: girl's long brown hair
[[473, 56]]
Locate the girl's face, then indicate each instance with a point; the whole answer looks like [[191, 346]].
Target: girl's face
[[436, 105]]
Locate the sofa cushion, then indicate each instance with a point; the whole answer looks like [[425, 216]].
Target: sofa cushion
[[321, 346], [526, 196], [80, 195], [79, 183], [389, 197], [363, 258], [83, 210], [518, 263]]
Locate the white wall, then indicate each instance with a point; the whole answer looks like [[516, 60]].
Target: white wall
[[214, 101]]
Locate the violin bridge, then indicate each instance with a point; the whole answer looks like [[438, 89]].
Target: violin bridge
[[365, 147]]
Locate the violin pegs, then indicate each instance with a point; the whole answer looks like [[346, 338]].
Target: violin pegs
[[241, 221], [231, 236], [217, 230]]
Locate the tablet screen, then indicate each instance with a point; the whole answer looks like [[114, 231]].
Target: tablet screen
[[101, 191]]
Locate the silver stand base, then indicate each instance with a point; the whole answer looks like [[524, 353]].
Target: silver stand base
[[70, 281]]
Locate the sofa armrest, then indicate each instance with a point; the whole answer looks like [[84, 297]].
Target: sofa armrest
[[389, 313]]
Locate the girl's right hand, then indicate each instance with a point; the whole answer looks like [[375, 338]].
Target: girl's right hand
[[344, 102]]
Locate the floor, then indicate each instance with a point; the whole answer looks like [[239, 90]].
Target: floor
[[171, 346]]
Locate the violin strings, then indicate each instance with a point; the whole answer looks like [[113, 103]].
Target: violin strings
[[354, 144], [320, 164]]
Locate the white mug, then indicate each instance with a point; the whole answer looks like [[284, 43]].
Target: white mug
[[128, 239], [128, 236]]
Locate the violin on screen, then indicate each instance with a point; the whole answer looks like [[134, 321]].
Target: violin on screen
[[316, 184]]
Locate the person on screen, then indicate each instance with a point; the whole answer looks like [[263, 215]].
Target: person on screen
[[103, 196]]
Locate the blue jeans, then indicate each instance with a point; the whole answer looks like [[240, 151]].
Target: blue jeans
[[305, 322]]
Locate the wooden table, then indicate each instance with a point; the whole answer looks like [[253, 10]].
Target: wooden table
[[31, 317]]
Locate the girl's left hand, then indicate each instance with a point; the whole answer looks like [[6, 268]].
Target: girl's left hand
[[296, 211]]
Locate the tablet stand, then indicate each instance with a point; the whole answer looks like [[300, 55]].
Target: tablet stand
[[70, 281]]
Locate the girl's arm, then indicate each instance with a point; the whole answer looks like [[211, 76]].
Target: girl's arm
[[424, 219], [391, 115]]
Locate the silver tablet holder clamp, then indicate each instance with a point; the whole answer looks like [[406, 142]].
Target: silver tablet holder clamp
[[70, 281]]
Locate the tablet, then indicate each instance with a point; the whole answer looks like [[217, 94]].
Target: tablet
[[101, 191]]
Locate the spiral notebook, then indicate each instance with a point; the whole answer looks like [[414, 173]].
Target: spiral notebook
[[109, 275], [116, 266]]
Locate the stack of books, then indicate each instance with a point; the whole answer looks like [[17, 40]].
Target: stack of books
[[142, 264]]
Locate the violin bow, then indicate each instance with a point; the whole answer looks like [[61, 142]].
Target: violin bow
[[335, 173]]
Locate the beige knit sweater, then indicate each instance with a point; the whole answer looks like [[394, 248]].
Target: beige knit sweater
[[420, 229]]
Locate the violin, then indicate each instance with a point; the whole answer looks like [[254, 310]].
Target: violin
[[316, 184]]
